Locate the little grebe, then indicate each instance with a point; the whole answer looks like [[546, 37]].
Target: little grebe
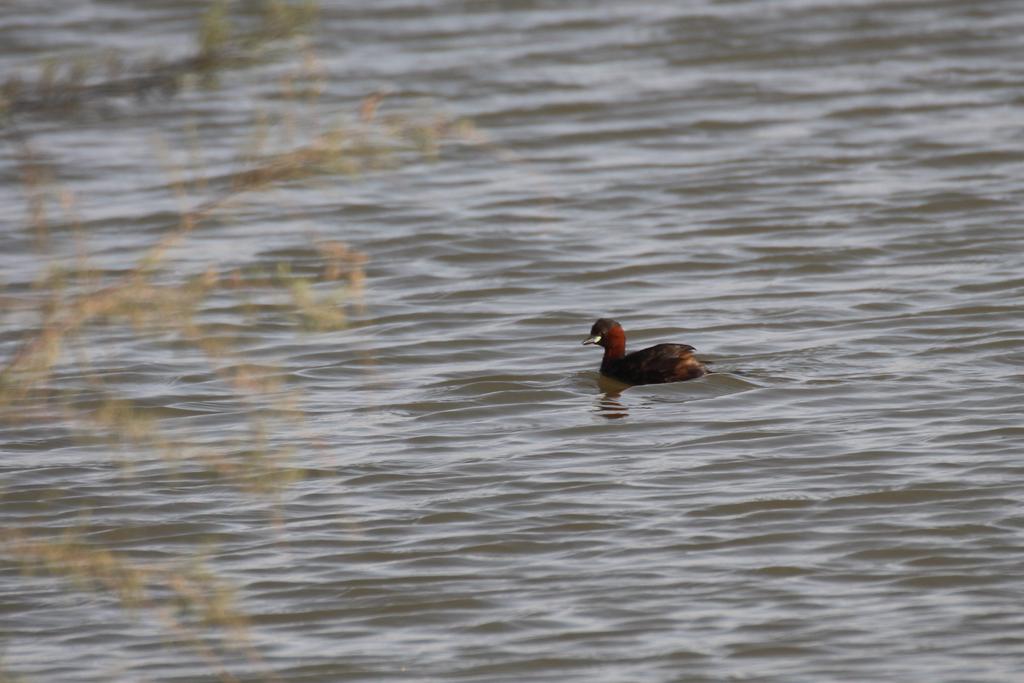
[[658, 364]]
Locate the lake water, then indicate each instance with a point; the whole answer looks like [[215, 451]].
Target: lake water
[[823, 198]]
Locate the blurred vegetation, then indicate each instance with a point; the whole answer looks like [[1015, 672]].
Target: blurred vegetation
[[220, 44], [49, 379]]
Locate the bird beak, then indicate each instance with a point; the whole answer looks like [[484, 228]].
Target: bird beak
[[592, 340]]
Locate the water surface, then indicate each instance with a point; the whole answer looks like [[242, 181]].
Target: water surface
[[823, 199]]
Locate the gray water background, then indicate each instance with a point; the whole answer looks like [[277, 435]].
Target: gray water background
[[824, 198]]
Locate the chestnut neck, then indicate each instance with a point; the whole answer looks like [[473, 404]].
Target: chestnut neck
[[614, 344]]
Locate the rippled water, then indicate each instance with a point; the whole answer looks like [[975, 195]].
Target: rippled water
[[823, 198]]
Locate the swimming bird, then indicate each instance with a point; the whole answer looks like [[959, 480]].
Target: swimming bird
[[655, 365]]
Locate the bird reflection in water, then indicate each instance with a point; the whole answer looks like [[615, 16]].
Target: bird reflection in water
[[608, 404]]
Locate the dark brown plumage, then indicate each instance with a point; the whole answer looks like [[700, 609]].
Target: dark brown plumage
[[654, 365]]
